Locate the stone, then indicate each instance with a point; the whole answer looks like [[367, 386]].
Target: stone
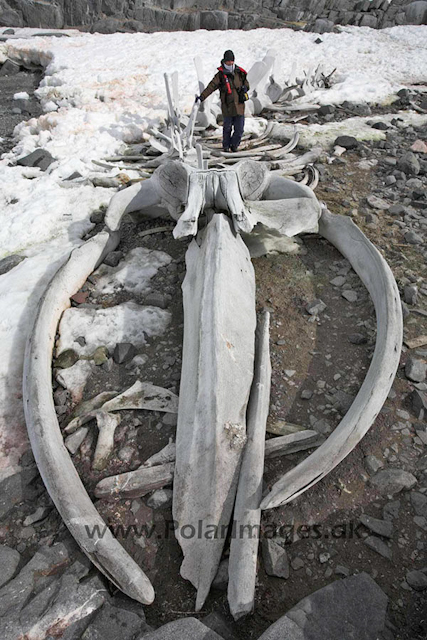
[[9, 561], [306, 394], [410, 294], [113, 258], [39, 158], [315, 307], [322, 25], [416, 12], [371, 218], [391, 510], [415, 369], [39, 514], [338, 281], [419, 503], [397, 210], [381, 126], [184, 629], [413, 238], [419, 146], [376, 544], [382, 528], [66, 359], [421, 431], [275, 558], [16, 488], [217, 623], [297, 564], [409, 164], [220, 581], [112, 623], [37, 573], [100, 355], [9, 68], [123, 352], [349, 295], [340, 570], [417, 579], [62, 602], [9, 263], [377, 203], [214, 20], [156, 299], [348, 142], [419, 401], [357, 338], [353, 607], [389, 180], [372, 464], [392, 481], [160, 498], [96, 218]]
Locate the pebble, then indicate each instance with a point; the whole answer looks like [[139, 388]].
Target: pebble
[[297, 563], [357, 338], [306, 394], [417, 580], [379, 546], [160, 498], [39, 514], [380, 527], [415, 369], [391, 481], [349, 295], [372, 464], [315, 307]]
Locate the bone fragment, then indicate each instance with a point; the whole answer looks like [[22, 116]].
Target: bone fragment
[[143, 395], [217, 371], [107, 424], [167, 454], [283, 445], [375, 273], [135, 484], [247, 514]]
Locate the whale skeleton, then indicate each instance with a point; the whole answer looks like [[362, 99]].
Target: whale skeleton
[[223, 403]]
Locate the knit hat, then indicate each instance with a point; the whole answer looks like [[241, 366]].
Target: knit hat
[[228, 55]]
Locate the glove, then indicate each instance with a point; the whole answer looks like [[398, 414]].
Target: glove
[[198, 99]]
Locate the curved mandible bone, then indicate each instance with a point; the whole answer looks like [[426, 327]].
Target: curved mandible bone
[[375, 273], [56, 468]]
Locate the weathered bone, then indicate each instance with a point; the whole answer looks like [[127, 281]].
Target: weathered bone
[[142, 395], [375, 273], [284, 445], [107, 424], [56, 468], [167, 454], [135, 484], [247, 514], [211, 429]]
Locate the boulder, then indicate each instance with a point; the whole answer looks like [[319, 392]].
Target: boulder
[[10, 17], [348, 142], [322, 25], [42, 14], [354, 607], [409, 164], [416, 12], [185, 629], [39, 158], [9, 68], [214, 20], [391, 481]]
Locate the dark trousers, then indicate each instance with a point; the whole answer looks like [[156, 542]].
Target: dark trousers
[[232, 122]]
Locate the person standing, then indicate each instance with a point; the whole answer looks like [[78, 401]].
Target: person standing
[[233, 86]]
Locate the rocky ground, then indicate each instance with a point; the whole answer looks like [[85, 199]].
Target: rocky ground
[[369, 515]]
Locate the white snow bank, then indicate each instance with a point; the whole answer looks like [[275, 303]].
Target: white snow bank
[[132, 274], [127, 322]]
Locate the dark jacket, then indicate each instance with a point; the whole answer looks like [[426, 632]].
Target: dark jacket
[[230, 105]]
